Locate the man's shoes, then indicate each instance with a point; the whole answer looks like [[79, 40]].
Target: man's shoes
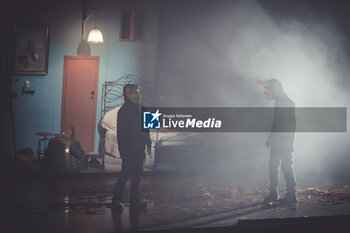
[[289, 199], [138, 205], [271, 198], [116, 204]]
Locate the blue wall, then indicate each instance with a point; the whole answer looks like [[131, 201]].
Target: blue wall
[[42, 111]]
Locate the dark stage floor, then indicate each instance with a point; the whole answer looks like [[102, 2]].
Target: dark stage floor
[[175, 201]]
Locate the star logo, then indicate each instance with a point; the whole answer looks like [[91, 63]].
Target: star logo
[[151, 120], [67, 150], [156, 115]]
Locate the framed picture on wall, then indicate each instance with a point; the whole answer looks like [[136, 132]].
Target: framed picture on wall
[[30, 50]]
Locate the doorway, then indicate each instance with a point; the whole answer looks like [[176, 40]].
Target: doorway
[[79, 98]]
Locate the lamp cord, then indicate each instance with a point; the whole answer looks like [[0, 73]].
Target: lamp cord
[[95, 18]]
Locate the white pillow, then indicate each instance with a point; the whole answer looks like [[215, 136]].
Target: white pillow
[[109, 120]]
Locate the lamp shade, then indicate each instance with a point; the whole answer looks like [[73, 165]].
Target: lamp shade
[[95, 36]]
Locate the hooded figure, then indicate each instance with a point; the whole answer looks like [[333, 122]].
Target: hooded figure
[[280, 142], [131, 144]]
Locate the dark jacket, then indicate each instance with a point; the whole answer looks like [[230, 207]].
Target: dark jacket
[[131, 138], [284, 123]]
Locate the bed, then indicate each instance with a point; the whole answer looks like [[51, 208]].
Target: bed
[[167, 146]]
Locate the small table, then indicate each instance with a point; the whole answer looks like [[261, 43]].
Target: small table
[[43, 140]]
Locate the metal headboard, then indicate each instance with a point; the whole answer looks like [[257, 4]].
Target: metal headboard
[[112, 92]]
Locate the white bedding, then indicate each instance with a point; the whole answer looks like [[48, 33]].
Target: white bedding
[[109, 122]]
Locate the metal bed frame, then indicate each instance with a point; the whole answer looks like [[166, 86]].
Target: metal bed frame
[[112, 96], [112, 92]]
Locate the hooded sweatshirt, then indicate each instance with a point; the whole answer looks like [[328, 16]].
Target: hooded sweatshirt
[[284, 123], [130, 135]]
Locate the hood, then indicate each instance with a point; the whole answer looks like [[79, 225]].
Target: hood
[[128, 86], [275, 87]]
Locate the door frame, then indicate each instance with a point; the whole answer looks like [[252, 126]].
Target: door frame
[[93, 124]]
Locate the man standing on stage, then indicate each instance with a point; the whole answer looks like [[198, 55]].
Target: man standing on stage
[[281, 142], [131, 143]]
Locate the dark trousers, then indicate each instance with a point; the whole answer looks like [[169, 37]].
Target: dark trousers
[[132, 167], [283, 157]]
